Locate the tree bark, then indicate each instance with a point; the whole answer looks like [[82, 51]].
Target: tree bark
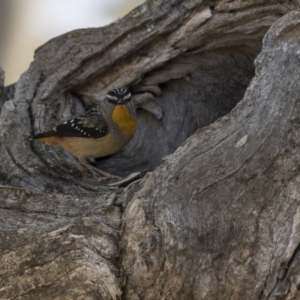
[[216, 215]]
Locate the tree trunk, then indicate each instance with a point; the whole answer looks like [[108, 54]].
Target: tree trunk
[[216, 85]]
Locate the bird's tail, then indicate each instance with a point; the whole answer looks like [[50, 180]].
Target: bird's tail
[[44, 137]]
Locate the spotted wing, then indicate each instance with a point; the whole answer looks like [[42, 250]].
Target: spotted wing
[[89, 125]]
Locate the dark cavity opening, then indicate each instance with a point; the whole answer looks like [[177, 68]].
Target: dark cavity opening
[[197, 89]]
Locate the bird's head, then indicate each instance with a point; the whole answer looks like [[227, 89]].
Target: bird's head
[[119, 96], [117, 103]]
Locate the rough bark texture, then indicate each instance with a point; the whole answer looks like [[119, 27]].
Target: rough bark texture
[[217, 82]]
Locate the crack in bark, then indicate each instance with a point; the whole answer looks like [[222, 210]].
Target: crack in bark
[[14, 161], [280, 280], [39, 265], [59, 255], [56, 280]]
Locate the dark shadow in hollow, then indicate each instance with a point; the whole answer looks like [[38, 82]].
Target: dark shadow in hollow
[[210, 89]]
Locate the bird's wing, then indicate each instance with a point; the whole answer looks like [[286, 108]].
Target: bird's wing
[[89, 125]]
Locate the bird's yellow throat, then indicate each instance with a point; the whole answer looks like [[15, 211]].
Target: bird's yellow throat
[[123, 119]]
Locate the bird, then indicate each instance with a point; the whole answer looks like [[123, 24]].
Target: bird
[[101, 131]]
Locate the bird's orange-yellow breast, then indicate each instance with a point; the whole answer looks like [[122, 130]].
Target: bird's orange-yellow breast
[[124, 120]]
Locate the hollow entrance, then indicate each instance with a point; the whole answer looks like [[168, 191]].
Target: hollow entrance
[[197, 89]]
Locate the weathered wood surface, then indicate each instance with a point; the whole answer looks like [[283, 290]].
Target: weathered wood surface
[[217, 219]]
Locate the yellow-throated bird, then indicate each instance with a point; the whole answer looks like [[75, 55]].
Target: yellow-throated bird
[[101, 131]]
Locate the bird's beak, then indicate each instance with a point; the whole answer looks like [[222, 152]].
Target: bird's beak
[[120, 101]]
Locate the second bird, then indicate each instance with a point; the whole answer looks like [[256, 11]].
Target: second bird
[[101, 131]]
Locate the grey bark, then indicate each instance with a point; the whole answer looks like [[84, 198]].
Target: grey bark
[[217, 87]]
